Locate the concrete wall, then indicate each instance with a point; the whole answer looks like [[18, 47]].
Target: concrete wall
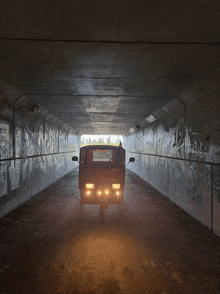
[[35, 150], [179, 154]]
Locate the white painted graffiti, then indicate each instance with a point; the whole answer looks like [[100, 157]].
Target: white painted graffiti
[[4, 140]]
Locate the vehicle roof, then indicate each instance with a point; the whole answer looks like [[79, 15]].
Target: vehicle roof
[[101, 147]]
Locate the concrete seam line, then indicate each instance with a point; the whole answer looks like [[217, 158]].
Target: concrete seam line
[[14, 125], [211, 197], [184, 123]]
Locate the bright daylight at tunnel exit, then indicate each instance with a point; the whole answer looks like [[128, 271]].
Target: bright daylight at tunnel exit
[[110, 147]]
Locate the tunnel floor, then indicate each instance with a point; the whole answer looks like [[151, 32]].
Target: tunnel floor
[[53, 245]]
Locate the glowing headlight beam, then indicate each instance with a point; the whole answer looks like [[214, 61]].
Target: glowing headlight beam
[[116, 186], [90, 186]]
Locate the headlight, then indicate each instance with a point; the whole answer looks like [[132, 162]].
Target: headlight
[[90, 186], [116, 186]]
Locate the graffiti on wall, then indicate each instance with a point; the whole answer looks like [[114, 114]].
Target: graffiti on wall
[[4, 140], [18, 142], [3, 178], [63, 141], [14, 174], [198, 145], [50, 140]]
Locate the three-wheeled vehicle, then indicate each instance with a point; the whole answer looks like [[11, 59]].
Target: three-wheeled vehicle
[[101, 174]]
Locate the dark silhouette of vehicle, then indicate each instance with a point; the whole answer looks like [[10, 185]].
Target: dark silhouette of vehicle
[[102, 174]]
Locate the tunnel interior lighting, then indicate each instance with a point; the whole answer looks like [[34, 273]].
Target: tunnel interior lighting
[[106, 192], [36, 109], [150, 118], [132, 130], [88, 192], [99, 192]]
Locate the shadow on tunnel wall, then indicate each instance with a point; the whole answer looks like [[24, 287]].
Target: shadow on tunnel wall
[[179, 155], [35, 151]]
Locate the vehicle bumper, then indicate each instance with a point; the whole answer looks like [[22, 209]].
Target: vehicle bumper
[[95, 198]]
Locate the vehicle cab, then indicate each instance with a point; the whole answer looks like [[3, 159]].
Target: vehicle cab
[[101, 174]]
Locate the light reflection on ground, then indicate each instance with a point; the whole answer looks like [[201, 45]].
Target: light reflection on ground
[[54, 245], [103, 261]]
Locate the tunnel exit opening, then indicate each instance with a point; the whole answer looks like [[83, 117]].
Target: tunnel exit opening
[[113, 140]]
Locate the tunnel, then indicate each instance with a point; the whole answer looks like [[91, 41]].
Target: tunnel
[[146, 71]]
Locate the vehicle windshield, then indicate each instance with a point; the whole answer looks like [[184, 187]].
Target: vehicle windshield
[[104, 156]]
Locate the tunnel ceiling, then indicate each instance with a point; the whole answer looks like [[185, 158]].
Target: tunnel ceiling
[[103, 67]]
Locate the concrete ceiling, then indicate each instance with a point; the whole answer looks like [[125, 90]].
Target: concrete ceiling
[[103, 66]]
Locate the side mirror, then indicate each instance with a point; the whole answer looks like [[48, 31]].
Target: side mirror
[[74, 158], [131, 159]]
